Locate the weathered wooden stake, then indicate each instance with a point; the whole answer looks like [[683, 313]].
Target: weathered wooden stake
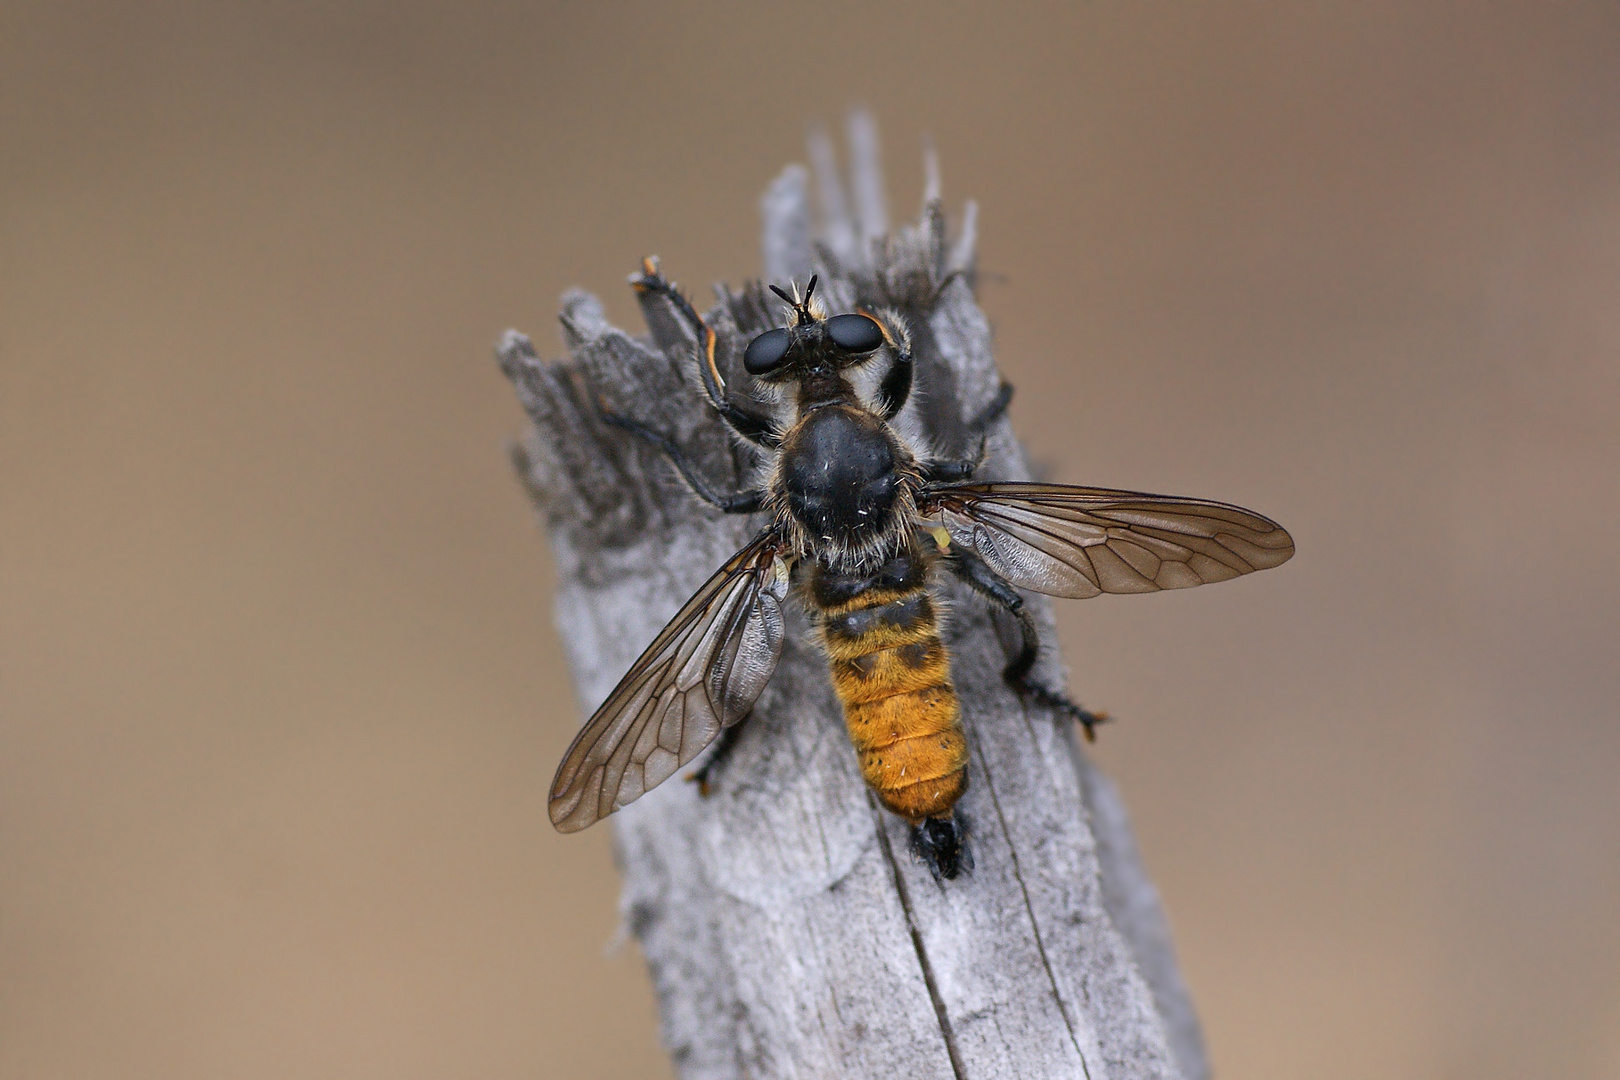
[[787, 928]]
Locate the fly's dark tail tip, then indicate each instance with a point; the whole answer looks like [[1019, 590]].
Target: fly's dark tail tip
[[941, 843]]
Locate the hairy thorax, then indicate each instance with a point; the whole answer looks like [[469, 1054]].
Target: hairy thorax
[[843, 479]]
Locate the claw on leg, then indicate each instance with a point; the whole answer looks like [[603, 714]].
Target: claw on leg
[[1064, 707]]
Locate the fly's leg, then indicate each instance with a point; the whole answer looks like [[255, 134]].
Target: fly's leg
[[743, 502], [756, 428], [703, 777], [950, 472], [992, 412], [896, 385], [991, 585], [1061, 703], [956, 472]]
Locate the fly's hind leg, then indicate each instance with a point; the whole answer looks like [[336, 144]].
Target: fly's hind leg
[[991, 585], [704, 775]]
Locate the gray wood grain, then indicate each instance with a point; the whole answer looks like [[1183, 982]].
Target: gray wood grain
[[788, 931]]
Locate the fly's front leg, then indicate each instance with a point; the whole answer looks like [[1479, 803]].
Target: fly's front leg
[[992, 412], [956, 472], [756, 428], [895, 390], [743, 502], [949, 472], [991, 585]]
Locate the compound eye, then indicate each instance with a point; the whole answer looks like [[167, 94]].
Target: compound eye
[[855, 333], [765, 353]]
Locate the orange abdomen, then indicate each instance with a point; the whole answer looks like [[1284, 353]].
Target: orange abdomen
[[892, 673]]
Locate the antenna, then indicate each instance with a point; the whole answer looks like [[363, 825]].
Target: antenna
[[800, 307]]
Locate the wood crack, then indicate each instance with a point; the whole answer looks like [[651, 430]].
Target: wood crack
[[1029, 909], [929, 982]]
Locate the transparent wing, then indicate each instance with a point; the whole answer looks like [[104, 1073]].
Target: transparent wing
[[703, 672], [1079, 542]]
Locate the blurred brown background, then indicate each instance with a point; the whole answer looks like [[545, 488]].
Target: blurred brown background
[[280, 691]]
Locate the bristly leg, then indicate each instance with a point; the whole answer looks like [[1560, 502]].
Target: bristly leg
[[1039, 694], [955, 472], [942, 845], [993, 411], [997, 589], [723, 746], [752, 426], [742, 502]]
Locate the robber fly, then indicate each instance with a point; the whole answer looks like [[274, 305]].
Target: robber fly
[[858, 523]]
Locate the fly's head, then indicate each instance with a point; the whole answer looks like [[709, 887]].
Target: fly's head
[[816, 350]]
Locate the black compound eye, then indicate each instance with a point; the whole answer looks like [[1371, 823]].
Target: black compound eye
[[765, 352], [855, 333]]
